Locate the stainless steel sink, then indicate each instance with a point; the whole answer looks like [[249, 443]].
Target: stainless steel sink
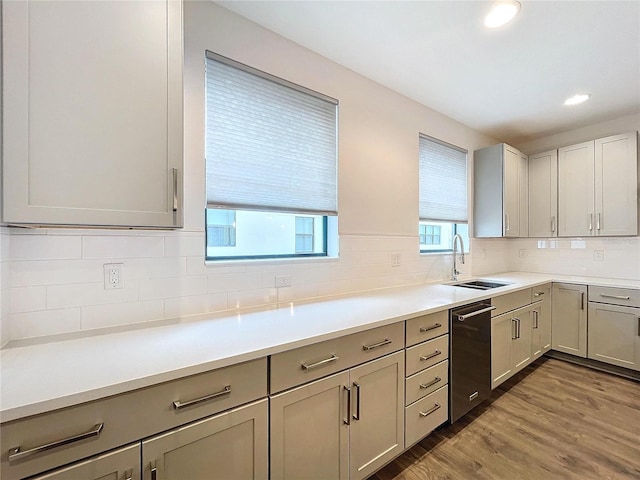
[[480, 284]]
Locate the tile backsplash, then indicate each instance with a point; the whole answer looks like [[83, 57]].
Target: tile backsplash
[[53, 279]]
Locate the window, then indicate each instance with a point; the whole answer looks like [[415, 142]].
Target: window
[[271, 163], [443, 195]]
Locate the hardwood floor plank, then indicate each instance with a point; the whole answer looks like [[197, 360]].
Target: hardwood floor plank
[[554, 420]]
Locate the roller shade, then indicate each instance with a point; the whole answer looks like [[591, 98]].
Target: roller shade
[[443, 181], [270, 144]]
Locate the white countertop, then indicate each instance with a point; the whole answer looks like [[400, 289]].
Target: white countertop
[[39, 378]]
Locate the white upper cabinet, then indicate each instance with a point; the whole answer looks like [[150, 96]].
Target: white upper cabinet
[[598, 187], [92, 124], [500, 192], [543, 194]]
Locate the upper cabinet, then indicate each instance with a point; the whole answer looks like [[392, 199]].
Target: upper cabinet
[[598, 187], [543, 194], [92, 106], [500, 192]]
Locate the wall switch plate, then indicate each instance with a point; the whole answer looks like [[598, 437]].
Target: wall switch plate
[[283, 281], [113, 276], [395, 259], [598, 255]]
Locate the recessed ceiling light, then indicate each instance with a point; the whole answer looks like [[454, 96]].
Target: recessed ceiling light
[[501, 13], [576, 99]]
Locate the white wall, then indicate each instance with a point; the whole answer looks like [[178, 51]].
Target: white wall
[[5, 282], [54, 277]]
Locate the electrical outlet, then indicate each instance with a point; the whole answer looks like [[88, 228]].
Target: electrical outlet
[[598, 255], [113, 276], [522, 252], [283, 281], [395, 259]]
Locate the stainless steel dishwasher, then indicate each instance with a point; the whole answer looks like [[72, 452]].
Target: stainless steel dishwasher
[[469, 357]]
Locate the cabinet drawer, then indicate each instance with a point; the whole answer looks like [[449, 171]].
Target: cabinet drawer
[[511, 301], [126, 418], [615, 296], [427, 381], [427, 327], [425, 415], [311, 362], [427, 354]]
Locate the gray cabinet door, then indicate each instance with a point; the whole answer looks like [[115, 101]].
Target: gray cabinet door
[[309, 430], [521, 344], [543, 194], [576, 190], [541, 322], [92, 107], [121, 464], [511, 199], [502, 334], [232, 445], [614, 335], [377, 414], [569, 326]]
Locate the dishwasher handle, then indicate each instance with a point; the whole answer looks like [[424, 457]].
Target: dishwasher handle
[[462, 318]]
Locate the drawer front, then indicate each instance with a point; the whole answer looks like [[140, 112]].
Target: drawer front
[[427, 354], [427, 381], [511, 301], [126, 418], [425, 415], [616, 296], [311, 362], [426, 327]]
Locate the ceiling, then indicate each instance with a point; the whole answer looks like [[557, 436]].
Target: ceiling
[[509, 83]]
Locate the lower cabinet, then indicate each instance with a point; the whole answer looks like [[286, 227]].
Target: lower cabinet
[[511, 343], [569, 331], [614, 335], [541, 322], [232, 445], [345, 426], [121, 464]]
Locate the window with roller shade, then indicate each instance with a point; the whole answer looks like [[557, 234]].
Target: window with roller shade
[[443, 195], [271, 158]]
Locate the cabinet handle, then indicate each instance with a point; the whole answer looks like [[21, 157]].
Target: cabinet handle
[[309, 366], [154, 471], [357, 415], [386, 341], [618, 297], [639, 326], [347, 420], [514, 328], [553, 224], [128, 475], [175, 189], [430, 411], [507, 226], [598, 222], [431, 383], [582, 301], [462, 318], [225, 391], [432, 327], [590, 221], [16, 453], [535, 315], [424, 358], [538, 294]]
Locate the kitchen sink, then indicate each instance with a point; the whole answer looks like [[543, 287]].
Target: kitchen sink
[[480, 284]]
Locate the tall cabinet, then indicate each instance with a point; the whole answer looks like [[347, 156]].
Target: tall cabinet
[[500, 192], [543, 194], [598, 187], [92, 106]]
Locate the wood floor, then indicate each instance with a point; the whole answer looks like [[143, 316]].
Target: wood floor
[[554, 420]]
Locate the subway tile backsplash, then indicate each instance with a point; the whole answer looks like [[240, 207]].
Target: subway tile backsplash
[[52, 280]]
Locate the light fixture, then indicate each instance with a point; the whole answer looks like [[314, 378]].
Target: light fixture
[[501, 13], [576, 99]]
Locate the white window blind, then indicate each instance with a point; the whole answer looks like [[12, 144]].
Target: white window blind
[[443, 181], [270, 144]]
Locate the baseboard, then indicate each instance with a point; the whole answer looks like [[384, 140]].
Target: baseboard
[[595, 364]]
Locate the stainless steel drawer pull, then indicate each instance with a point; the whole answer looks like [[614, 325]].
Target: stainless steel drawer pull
[[175, 189], [618, 297], [538, 294], [309, 366], [424, 358], [462, 318], [639, 326], [432, 327], [386, 341], [357, 387], [154, 471], [128, 475], [347, 420], [430, 411], [431, 383], [17, 453], [225, 391]]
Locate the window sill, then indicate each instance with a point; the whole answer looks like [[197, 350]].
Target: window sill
[[271, 261]]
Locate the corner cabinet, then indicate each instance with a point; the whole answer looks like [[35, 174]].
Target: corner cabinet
[[92, 105], [598, 187], [569, 327], [500, 192]]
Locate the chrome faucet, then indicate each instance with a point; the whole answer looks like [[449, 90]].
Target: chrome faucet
[[454, 271]]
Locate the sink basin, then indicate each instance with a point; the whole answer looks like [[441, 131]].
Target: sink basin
[[480, 284]]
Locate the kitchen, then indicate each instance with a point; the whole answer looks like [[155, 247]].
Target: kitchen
[[52, 279]]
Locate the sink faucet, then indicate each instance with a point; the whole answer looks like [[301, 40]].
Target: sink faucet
[[454, 271]]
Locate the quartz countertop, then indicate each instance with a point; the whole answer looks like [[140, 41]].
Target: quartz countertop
[[38, 378]]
